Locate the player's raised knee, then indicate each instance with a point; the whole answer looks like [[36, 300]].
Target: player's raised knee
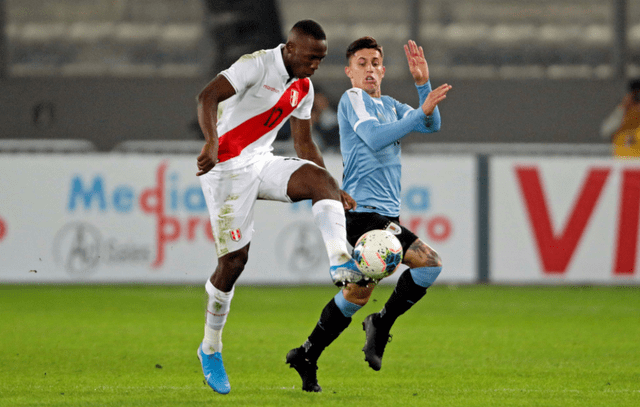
[[321, 177], [357, 294], [313, 182], [419, 254]]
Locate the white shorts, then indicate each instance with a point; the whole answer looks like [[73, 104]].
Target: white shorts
[[231, 196]]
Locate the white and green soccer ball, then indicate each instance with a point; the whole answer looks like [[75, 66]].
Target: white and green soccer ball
[[378, 254]]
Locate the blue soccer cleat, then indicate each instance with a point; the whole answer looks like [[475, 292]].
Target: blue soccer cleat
[[214, 372], [345, 273]]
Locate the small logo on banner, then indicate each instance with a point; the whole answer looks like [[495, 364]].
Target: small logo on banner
[[300, 248], [77, 248], [294, 98], [235, 235]]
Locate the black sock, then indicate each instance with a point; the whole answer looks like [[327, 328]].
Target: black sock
[[405, 295], [331, 324]]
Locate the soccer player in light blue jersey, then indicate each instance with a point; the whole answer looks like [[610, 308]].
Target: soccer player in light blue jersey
[[371, 126]]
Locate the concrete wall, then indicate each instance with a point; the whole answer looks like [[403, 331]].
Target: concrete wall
[[109, 111]]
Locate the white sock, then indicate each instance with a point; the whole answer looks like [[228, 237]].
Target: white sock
[[328, 215], [218, 306], [212, 341]]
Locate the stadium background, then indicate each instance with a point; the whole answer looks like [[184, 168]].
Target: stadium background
[[97, 97]]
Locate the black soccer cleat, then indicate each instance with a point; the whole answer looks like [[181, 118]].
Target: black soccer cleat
[[376, 340], [306, 369]]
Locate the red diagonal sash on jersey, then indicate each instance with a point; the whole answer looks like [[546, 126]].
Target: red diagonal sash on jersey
[[236, 139]]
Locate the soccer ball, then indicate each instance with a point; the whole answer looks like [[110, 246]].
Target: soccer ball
[[378, 254]]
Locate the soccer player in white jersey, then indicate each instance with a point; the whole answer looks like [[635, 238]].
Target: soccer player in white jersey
[[371, 126], [240, 112]]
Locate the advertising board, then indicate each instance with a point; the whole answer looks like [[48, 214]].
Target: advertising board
[[111, 218], [564, 220]]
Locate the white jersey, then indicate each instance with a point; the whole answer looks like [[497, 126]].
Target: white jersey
[[248, 122]]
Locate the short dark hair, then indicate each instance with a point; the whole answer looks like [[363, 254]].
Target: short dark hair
[[311, 28], [363, 43]]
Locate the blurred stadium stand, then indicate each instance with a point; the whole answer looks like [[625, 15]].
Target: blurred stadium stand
[[115, 71], [485, 39], [238, 27], [135, 38], [471, 38], [138, 38]]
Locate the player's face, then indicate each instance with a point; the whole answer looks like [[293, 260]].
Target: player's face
[[366, 71], [306, 55]]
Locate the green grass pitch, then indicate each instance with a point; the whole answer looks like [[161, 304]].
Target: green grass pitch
[[470, 345]]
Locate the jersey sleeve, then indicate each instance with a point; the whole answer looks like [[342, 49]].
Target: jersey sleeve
[[303, 111], [355, 109], [360, 112], [423, 91], [401, 108], [246, 71], [432, 122]]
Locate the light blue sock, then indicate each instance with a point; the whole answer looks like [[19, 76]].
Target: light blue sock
[[347, 308], [425, 276]]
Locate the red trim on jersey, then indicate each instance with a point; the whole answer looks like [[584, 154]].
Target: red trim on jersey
[[235, 140]]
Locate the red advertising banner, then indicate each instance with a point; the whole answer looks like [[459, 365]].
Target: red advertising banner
[[564, 220]]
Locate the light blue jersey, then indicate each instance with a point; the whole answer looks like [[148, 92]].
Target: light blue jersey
[[370, 133]]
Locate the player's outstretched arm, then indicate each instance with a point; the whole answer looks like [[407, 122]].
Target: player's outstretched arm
[[417, 63], [216, 91], [435, 96]]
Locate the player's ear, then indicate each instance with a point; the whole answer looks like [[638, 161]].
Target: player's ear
[[383, 71], [347, 70], [290, 47]]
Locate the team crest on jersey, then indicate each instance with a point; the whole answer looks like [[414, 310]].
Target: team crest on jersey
[[236, 235], [294, 98]]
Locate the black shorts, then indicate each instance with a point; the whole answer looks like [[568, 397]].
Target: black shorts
[[358, 223]]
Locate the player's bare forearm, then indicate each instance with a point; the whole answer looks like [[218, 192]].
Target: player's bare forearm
[[207, 121], [216, 91], [309, 151], [303, 143]]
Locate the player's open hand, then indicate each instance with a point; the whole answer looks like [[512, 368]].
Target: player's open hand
[[417, 62], [435, 96], [208, 158], [347, 201]]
